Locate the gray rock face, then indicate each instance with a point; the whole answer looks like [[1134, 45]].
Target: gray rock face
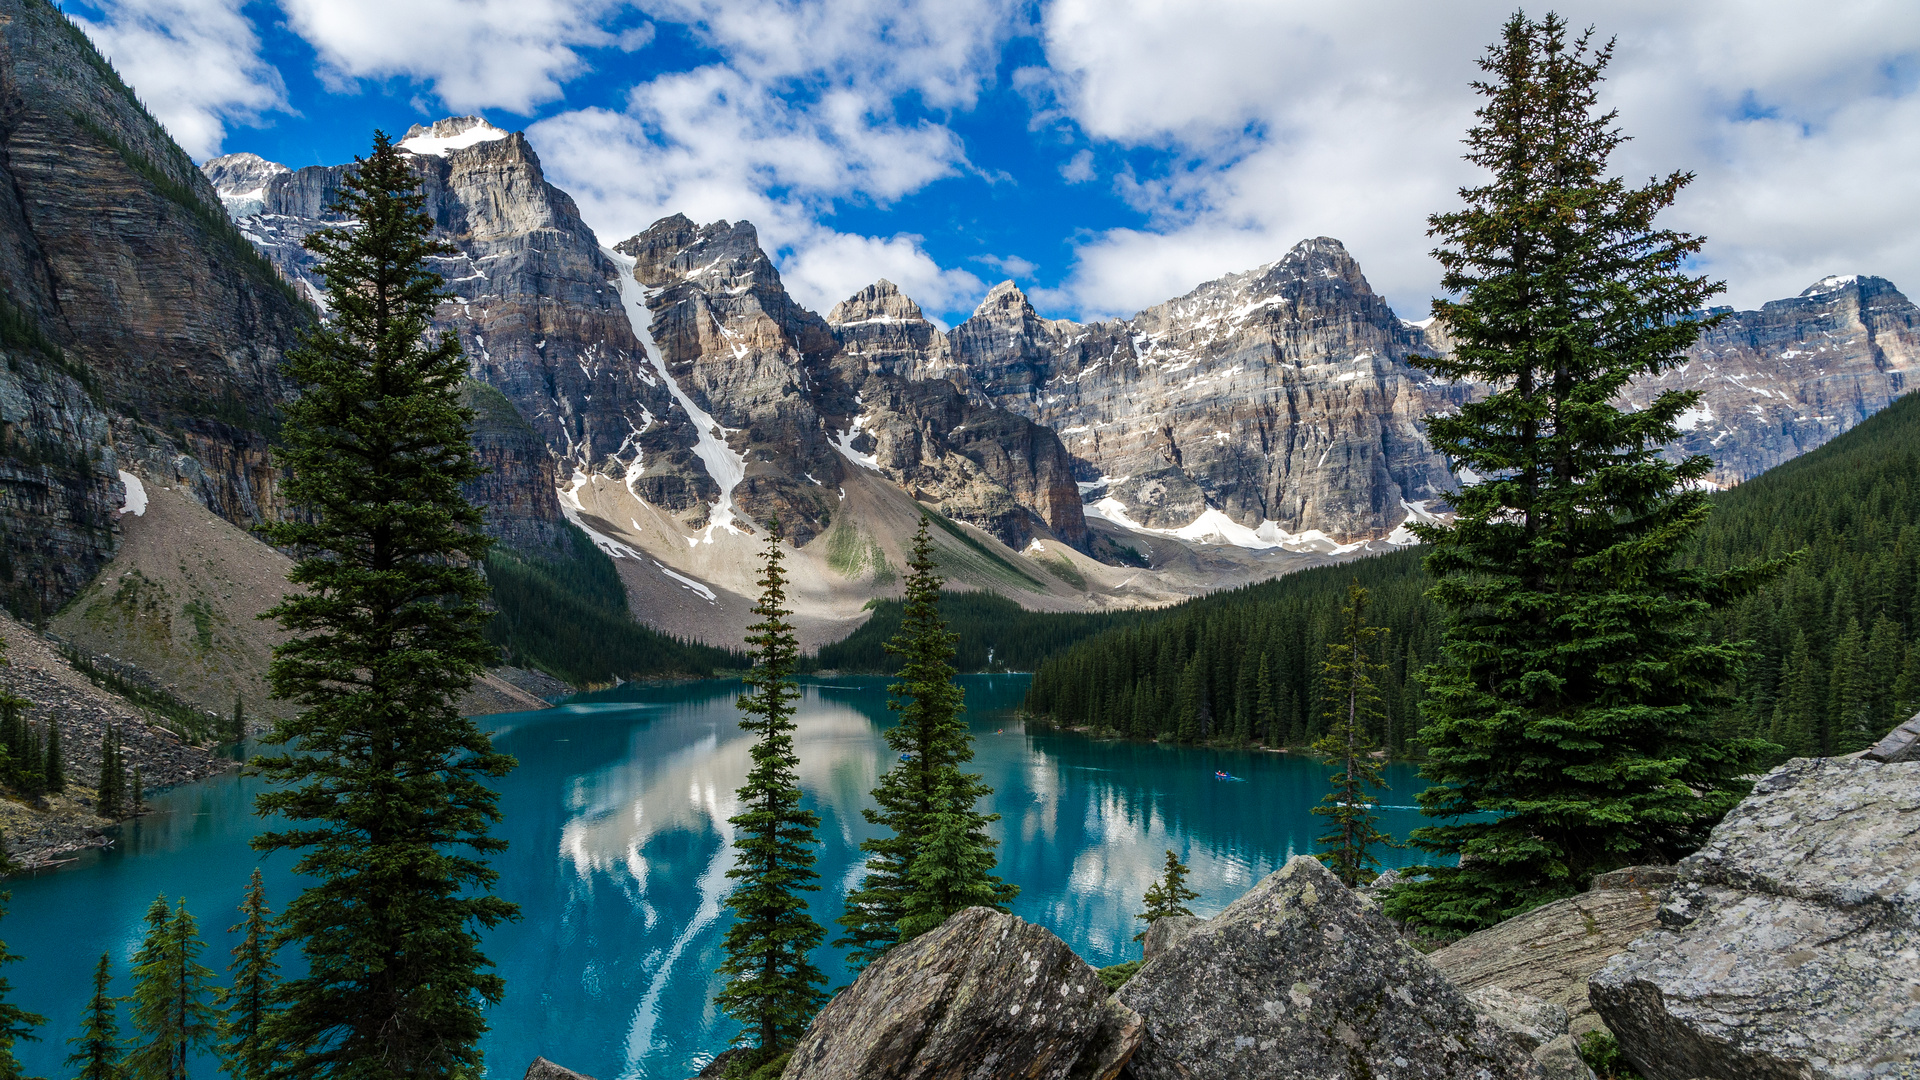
[[1796, 952], [537, 307], [1551, 951], [1281, 394], [1783, 380], [1900, 744], [983, 997], [1540, 1026], [135, 298], [1302, 977], [542, 1069], [1164, 934]]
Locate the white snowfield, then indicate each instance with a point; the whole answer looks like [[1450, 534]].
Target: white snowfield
[[438, 147], [136, 494]]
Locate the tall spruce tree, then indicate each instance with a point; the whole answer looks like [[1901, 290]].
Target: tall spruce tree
[[388, 791], [1568, 701], [172, 1013], [1351, 695], [97, 1048], [109, 793], [246, 1006], [1167, 897], [773, 987], [16, 1023], [56, 767], [935, 852]]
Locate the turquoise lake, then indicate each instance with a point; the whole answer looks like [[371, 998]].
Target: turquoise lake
[[617, 817]]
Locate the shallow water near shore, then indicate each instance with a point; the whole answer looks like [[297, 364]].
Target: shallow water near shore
[[619, 852]]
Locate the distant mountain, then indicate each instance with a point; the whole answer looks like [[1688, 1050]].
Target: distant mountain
[[1266, 420]]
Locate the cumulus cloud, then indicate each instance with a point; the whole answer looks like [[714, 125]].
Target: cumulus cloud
[[195, 64], [800, 117], [473, 54], [1279, 122]]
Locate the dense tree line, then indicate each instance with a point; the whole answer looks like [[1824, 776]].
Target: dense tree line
[[1244, 666], [569, 617], [1837, 636]]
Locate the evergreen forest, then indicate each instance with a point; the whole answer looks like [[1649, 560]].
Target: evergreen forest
[[1835, 636]]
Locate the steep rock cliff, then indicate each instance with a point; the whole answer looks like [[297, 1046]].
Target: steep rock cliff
[[535, 304], [1280, 398], [128, 292], [1783, 380]]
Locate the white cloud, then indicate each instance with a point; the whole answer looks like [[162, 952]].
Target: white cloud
[[195, 63], [1286, 121], [474, 54], [799, 118], [1079, 168]]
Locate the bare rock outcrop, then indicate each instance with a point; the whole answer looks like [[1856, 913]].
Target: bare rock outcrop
[[1551, 951], [542, 1069], [1900, 744], [1794, 948], [1304, 977], [984, 996]]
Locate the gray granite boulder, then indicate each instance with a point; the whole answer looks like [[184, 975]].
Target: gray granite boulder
[[983, 997], [1302, 977], [1163, 933], [1793, 951], [1541, 1027], [542, 1069], [1551, 951], [1901, 744]]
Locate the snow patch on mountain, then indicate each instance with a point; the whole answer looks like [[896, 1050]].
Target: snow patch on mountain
[[725, 466], [457, 137]]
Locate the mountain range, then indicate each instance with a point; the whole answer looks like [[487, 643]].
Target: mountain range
[[665, 393]]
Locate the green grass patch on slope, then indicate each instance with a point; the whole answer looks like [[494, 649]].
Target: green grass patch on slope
[[977, 560], [570, 618]]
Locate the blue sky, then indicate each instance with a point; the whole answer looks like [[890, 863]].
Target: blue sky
[[1105, 154]]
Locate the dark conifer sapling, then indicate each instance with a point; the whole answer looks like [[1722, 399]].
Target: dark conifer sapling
[[1167, 897], [773, 987], [936, 853], [388, 794], [245, 1053], [1352, 697], [96, 1051]]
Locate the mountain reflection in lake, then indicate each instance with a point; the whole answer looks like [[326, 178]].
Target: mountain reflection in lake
[[617, 819]]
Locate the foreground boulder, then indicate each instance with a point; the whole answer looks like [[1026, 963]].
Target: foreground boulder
[[1302, 977], [542, 1069], [983, 997], [1551, 951], [1796, 948]]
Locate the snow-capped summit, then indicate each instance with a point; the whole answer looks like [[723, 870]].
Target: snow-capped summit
[[453, 133], [241, 181]]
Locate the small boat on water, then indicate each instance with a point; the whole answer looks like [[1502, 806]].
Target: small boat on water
[[1220, 775]]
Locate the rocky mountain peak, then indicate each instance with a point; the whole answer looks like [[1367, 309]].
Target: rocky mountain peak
[[881, 301], [1005, 301], [721, 254], [446, 136], [241, 181]]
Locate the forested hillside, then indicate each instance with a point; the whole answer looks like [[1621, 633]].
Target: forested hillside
[[995, 634], [1837, 660]]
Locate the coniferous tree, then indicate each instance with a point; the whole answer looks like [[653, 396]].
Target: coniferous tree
[[1168, 896], [56, 767], [1796, 716], [1568, 702], [172, 1015], [388, 794], [108, 792], [136, 794], [936, 853], [1849, 698], [16, 1024], [237, 724], [773, 987], [97, 1048], [245, 1007], [1906, 689], [1352, 700]]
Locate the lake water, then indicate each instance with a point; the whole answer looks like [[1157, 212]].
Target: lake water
[[617, 820]]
